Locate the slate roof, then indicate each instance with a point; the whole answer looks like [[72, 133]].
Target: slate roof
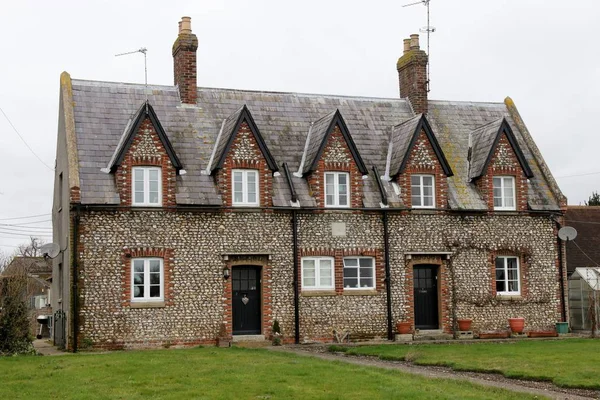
[[403, 139], [484, 141], [102, 111], [586, 220]]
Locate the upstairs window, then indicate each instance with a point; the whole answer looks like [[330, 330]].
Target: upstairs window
[[245, 187], [147, 280], [147, 186], [317, 273], [504, 193], [422, 191], [507, 276], [359, 273], [337, 189]]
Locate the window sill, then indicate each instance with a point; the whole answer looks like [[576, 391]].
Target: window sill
[[318, 293], [509, 297], [147, 304], [360, 292]]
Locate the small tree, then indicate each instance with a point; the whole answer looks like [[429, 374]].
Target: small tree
[[594, 200], [31, 249], [14, 320]]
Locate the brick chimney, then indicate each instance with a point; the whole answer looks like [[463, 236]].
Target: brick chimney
[[412, 73], [184, 61]]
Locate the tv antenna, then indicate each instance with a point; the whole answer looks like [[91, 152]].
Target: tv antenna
[[429, 29], [142, 50], [50, 250]]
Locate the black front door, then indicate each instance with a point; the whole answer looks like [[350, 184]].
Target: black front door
[[246, 300], [426, 298]]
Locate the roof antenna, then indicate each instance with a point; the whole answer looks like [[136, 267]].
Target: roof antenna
[[429, 29], [142, 50]]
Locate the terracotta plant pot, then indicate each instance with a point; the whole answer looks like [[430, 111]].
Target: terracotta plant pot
[[464, 324], [516, 324], [494, 335], [403, 328]]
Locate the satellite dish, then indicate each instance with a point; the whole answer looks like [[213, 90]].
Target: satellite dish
[[50, 250], [567, 233]]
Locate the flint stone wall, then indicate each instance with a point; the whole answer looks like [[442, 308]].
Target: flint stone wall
[[199, 240]]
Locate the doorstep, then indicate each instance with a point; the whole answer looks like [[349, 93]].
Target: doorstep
[[248, 338]]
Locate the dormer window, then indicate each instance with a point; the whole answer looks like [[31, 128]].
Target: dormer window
[[422, 191], [337, 189], [147, 187], [245, 187], [504, 193]]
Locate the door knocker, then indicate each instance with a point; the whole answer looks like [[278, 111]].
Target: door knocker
[[245, 299]]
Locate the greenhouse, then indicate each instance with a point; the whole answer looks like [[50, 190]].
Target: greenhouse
[[584, 298]]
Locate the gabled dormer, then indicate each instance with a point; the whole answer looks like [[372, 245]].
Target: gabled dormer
[[144, 162], [498, 166], [241, 162], [332, 164], [416, 163]]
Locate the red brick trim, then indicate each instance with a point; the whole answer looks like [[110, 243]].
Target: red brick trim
[[256, 161], [413, 167], [338, 262], [123, 175], [523, 268], [444, 290], [168, 258], [486, 182], [265, 291], [316, 180]]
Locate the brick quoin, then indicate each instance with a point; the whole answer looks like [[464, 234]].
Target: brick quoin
[[412, 167], [316, 180], [123, 175], [256, 162]]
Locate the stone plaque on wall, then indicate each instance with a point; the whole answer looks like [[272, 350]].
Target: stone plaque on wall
[[338, 229]]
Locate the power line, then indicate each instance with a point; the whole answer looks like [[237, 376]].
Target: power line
[[28, 224], [25, 217], [572, 176], [584, 253], [21, 137], [27, 234], [29, 229]]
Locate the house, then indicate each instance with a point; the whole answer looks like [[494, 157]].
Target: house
[[37, 295], [583, 255], [184, 211]]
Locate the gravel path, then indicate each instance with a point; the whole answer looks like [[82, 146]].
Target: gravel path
[[545, 389]]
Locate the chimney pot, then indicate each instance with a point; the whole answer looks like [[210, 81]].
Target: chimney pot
[[406, 45], [185, 26], [414, 42]]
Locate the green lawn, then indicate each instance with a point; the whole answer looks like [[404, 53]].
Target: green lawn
[[211, 373], [567, 363]]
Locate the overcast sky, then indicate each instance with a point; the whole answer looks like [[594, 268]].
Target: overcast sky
[[543, 54]]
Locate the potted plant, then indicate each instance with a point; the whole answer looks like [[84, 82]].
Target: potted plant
[[516, 324], [223, 340], [404, 327], [464, 324], [277, 337]]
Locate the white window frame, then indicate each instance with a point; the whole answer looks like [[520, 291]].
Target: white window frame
[[317, 285], [245, 173], [503, 198], [146, 202], [336, 189], [146, 297], [507, 292], [421, 187], [357, 267]]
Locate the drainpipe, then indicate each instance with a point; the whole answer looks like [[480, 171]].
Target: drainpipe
[[388, 281], [560, 271], [295, 280], [75, 279]]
